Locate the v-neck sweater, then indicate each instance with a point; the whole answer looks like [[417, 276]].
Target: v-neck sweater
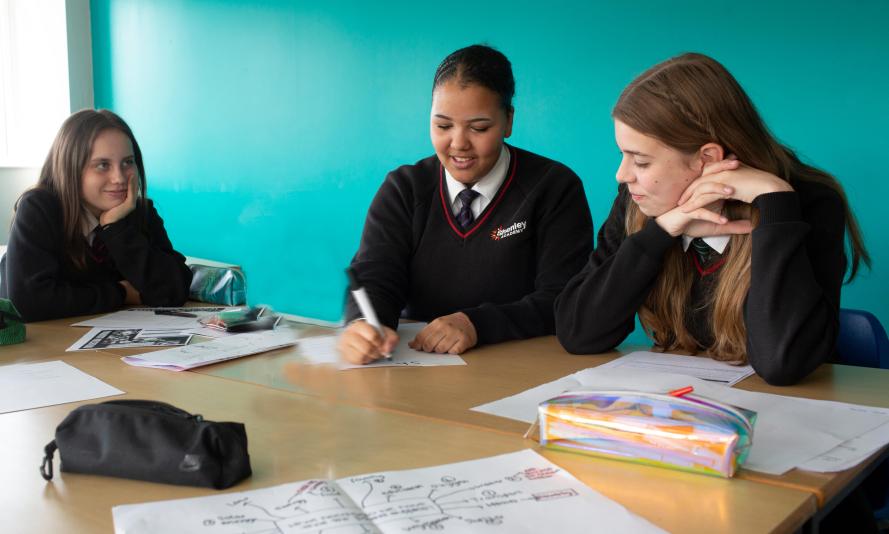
[[791, 311], [503, 272], [43, 283]]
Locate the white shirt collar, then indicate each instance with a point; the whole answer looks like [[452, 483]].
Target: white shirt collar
[[88, 224], [488, 185], [716, 242]]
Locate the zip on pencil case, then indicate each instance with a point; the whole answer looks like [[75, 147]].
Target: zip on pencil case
[[690, 433]]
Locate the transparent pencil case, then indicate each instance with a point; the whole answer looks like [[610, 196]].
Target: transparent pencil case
[[218, 285], [690, 433]]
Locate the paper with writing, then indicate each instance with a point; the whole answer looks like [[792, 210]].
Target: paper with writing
[[322, 349], [515, 493], [213, 351]]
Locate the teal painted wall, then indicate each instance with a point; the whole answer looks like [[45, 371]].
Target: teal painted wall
[[268, 126]]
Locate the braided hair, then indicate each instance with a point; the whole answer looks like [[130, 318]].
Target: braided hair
[[479, 65]]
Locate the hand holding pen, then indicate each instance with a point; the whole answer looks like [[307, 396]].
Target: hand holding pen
[[365, 341]]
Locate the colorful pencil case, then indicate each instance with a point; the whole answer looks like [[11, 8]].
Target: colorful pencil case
[[690, 433]]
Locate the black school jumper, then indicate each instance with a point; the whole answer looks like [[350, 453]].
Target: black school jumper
[[503, 272], [792, 307], [43, 283]]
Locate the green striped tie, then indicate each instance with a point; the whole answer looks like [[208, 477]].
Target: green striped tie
[[702, 249]]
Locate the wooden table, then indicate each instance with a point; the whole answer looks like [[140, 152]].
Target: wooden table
[[498, 371], [312, 431]]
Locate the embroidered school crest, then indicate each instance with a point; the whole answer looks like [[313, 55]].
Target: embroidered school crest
[[502, 233]]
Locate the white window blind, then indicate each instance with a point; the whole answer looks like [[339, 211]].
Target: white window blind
[[34, 92]]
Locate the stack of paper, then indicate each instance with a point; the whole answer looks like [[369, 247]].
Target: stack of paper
[[187, 320], [514, 493], [701, 367], [790, 432], [217, 350]]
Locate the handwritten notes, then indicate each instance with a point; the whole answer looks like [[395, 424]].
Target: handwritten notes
[[217, 350], [322, 349], [521, 492]]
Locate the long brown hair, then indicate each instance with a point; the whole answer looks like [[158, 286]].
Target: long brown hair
[[686, 102], [63, 169]]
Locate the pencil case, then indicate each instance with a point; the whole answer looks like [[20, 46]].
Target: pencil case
[[12, 328], [690, 433], [218, 285], [149, 440]]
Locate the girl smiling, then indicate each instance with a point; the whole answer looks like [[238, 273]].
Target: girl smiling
[[85, 239], [478, 239]]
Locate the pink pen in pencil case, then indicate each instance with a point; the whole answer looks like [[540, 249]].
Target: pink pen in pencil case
[[688, 432]]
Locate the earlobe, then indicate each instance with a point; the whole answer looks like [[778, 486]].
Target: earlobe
[[508, 131]]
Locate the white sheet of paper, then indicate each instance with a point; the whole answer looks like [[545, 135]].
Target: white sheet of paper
[[213, 351], [146, 318], [322, 350], [118, 338], [701, 367], [514, 493], [789, 432], [851, 452], [33, 385]]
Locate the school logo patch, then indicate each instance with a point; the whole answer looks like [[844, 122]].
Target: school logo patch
[[502, 233]]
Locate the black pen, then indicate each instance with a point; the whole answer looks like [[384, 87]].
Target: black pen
[[174, 313]]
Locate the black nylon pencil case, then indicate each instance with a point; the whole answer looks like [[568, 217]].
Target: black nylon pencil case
[[149, 440]]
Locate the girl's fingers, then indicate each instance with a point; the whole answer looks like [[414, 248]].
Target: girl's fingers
[[357, 350], [720, 166], [703, 214], [391, 340], [446, 344], [699, 187], [707, 228], [741, 226], [708, 175], [431, 339], [702, 200]]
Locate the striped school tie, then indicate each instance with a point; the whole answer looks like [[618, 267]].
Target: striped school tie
[[465, 217], [702, 249], [98, 250]]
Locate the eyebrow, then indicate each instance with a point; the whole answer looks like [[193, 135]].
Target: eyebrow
[[636, 153], [103, 158], [474, 119]]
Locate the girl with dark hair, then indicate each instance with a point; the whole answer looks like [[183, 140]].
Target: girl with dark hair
[[720, 238], [478, 239], [85, 239]]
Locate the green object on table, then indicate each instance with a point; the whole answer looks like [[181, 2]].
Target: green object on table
[[218, 285], [12, 327]]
